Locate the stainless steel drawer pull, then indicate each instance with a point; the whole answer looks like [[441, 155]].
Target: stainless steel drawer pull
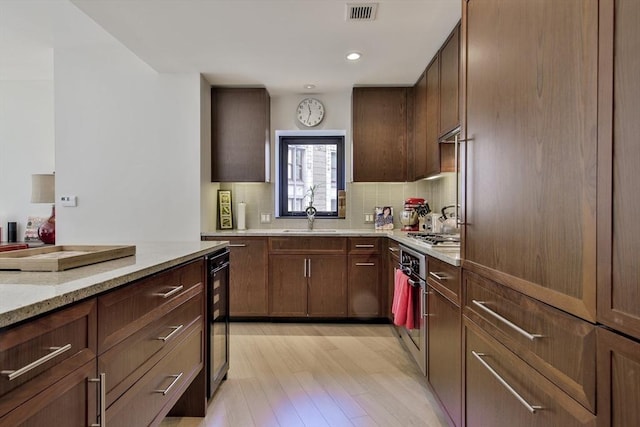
[[507, 322], [237, 245], [530, 408], [176, 378], [394, 249], [173, 291], [55, 351], [172, 333], [103, 399], [439, 276], [365, 264], [365, 246]]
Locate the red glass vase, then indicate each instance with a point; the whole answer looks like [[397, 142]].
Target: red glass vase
[[47, 231]]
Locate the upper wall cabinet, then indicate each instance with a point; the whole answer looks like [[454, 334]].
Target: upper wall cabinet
[[380, 124], [531, 151], [436, 109], [240, 135]]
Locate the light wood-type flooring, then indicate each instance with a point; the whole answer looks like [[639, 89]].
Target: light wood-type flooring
[[288, 375]]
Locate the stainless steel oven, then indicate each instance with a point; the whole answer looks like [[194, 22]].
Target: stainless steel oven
[[414, 265], [218, 319]]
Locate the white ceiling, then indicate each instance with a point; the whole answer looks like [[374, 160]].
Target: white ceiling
[[280, 44]]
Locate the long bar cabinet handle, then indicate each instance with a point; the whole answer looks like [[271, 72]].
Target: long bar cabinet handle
[[365, 264], [394, 250], [102, 379], [507, 322], [364, 246], [438, 275], [175, 331], [531, 408], [237, 245], [55, 352], [174, 290], [305, 268], [309, 268], [176, 378]]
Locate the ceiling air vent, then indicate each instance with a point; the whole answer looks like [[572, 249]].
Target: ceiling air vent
[[361, 11]]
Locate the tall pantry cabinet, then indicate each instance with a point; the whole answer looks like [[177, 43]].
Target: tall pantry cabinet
[[618, 227]]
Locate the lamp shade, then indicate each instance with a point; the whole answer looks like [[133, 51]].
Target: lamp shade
[[43, 188]]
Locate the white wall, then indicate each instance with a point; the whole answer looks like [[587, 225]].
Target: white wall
[[127, 145], [26, 147]]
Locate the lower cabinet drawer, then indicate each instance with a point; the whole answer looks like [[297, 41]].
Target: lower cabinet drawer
[[127, 361], [36, 354], [151, 398], [502, 390], [560, 346]]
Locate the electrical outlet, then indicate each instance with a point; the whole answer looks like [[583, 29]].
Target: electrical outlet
[[265, 217], [368, 218]]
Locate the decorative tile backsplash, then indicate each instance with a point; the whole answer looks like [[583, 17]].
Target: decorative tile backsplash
[[361, 199]]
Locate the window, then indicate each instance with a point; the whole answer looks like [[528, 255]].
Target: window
[[311, 161]]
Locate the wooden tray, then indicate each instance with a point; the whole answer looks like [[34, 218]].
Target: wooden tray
[[63, 257]]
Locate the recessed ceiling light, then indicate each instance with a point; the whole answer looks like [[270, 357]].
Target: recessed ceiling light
[[353, 56], [309, 86]]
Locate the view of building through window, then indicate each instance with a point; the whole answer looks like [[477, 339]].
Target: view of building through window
[[313, 163]]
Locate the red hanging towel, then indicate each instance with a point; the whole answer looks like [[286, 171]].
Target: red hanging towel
[[410, 324], [400, 296]]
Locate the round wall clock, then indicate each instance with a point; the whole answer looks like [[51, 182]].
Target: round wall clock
[[310, 112]]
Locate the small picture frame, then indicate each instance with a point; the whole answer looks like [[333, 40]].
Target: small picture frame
[[383, 217], [225, 214], [31, 229]]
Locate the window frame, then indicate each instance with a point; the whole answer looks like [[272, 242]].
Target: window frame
[[282, 179]]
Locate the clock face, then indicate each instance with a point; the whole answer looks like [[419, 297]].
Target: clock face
[[310, 112]]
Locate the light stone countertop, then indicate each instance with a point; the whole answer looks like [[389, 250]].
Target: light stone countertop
[[25, 294], [448, 255]]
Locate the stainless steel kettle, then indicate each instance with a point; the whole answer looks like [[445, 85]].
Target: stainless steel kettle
[[449, 220]]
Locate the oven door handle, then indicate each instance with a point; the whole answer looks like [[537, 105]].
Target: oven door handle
[[417, 283]]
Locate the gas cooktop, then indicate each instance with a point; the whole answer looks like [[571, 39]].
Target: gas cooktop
[[436, 239]]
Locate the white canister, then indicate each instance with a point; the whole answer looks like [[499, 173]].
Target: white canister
[[242, 216]]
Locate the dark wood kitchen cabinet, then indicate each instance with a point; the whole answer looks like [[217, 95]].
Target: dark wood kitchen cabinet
[[618, 380], [502, 390], [307, 277], [380, 133], [56, 391], [531, 157], [444, 359], [619, 130], [365, 274], [420, 128], [240, 134], [248, 276], [449, 97]]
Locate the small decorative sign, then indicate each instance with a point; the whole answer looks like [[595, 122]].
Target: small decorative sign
[[225, 218]]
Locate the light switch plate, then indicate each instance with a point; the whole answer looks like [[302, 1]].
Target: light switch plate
[[265, 217], [368, 218]]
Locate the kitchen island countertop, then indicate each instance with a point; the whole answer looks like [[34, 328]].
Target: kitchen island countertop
[[24, 294], [447, 254]]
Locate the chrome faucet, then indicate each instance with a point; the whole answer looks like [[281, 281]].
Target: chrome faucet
[[311, 215]]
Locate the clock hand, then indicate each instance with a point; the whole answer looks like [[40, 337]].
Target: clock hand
[[309, 107]]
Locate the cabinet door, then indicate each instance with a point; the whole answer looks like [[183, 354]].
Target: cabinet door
[[618, 380], [445, 353], [449, 87], [380, 134], [240, 135], [433, 117], [364, 285], [531, 159], [327, 278], [495, 378], [619, 245], [420, 128], [248, 277], [288, 285], [68, 402]]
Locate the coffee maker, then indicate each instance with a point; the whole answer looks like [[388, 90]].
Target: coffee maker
[[409, 214]]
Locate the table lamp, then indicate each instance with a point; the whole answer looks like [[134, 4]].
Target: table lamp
[[43, 191]]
